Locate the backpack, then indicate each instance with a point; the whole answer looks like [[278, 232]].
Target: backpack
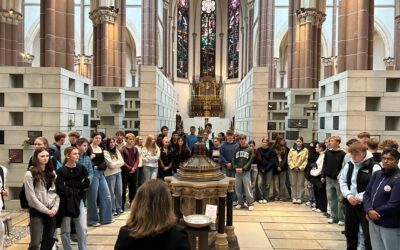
[[22, 197]]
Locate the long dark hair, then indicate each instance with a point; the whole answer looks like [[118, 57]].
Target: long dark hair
[[279, 148], [178, 149], [112, 151], [38, 174]]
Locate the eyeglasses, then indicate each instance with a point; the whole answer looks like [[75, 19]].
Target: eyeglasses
[[388, 159]]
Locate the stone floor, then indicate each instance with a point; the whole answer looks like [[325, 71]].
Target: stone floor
[[276, 225]]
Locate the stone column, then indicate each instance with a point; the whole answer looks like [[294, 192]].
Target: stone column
[[149, 31], [11, 33], [328, 66], [57, 40], [109, 43], [250, 7], [275, 65], [266, 37], [292, 22], [397, 35], [308, 44], [166, 38], [243, 53], [356, 33], [282, 74]]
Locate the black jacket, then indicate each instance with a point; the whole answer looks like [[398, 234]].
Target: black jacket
[[333, 163], [267, 159], [174, 239]]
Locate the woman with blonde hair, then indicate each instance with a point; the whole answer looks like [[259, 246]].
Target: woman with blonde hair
[[150, 157], [152, 223], [297, 161]]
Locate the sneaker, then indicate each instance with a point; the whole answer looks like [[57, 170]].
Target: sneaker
[[238, 206], [276, 199], [264, 201], [74, 237], [313, 205], [121, 211], [251, 208], [326, 215], [294, 201], [318, 210], [94, 225], [235, 203], [115, 214], [260, 201], [341, 223], [332, 221], [298, 201], [308, 203]]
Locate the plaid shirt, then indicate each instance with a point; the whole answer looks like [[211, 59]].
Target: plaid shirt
[[85, 161]]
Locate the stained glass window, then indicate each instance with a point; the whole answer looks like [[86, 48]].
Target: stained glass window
[[183, 38], [208, 38], [233, 38]]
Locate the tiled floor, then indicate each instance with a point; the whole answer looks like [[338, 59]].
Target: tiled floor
[[276, 225]]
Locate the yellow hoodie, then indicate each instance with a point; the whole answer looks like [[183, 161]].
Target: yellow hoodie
[[298, 159]]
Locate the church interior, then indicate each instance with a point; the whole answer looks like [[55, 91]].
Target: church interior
[[310, 68]]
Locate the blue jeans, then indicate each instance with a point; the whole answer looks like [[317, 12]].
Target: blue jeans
[[384, 238], [254, 173], [150, 173], [264, 181], [230, 173], [115, 185], [243, 187], [98, 188], [81, 229]]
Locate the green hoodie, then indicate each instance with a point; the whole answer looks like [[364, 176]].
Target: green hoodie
[[243, 158]]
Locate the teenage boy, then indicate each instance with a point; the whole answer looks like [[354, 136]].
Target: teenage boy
[[164, 133], [130, 153], [242, 160], [119, 139], [191, 139], [59, 140], [353, 182], [73, 138], [332, 165]]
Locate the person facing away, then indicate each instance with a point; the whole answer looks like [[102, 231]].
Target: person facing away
[[153, 200], [353, 181], [382, 203]]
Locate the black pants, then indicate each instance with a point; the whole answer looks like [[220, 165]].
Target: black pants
[[42, 229], [354, 216], [287, 183], [128, 180], [319, 188]]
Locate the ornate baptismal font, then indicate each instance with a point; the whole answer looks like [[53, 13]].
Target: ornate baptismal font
[[198, 182]]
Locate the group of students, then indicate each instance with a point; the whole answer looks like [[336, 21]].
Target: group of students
[[97, 174], [356, 189]]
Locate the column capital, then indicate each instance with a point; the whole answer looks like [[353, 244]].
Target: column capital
[[328, 61], [397, 19], [103, 14], [221, 35], [250, 4], [194, 34], [312, 16], [165, 4], [389, 61], [10, 17]]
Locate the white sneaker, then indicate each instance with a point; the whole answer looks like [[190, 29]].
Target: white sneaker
[[238, 206], [318, 210], [294, 201], [298, 201], [264, 201], [341, 223], [308, 203], [260, 201], [251, 208]]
